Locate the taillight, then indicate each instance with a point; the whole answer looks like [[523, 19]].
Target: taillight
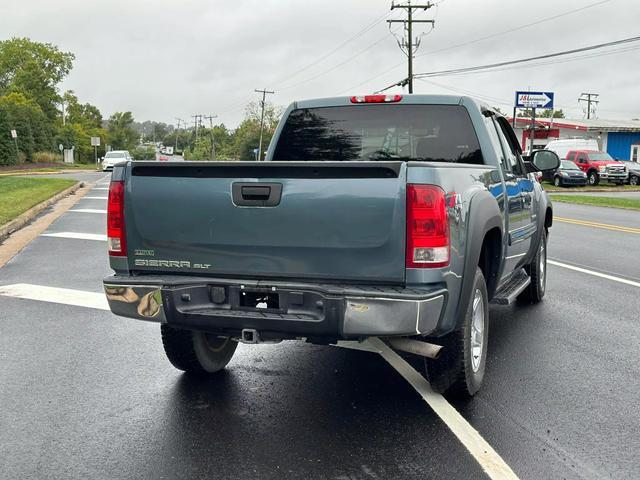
[[376, 98], [115, 220], [427, 227]]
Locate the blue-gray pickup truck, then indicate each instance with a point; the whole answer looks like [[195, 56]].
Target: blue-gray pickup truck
[[393, 216]]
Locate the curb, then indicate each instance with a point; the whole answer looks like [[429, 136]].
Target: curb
[[26, 217]]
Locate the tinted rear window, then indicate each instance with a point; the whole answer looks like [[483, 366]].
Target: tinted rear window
[[441, 133]]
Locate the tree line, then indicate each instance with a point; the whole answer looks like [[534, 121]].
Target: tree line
[[43, 118]]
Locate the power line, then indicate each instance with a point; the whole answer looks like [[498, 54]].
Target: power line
[[528, 59], [334, 50], [493, 35], [515, 29]]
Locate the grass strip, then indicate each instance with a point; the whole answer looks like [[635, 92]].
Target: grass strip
[[19, 194], [611, 202]]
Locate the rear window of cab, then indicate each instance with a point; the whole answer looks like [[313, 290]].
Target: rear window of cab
[[438, 133]]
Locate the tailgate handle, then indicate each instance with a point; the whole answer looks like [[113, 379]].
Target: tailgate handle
[[256, 193], [253, 194]]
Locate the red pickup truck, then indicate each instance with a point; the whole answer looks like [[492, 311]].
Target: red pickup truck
[[599, 166]]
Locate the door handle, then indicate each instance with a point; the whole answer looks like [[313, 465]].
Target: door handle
[[256, 193], [253, 194]]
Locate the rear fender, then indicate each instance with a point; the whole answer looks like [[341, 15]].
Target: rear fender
[[484, 214]]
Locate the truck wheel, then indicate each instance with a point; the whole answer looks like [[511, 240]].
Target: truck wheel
[[537, 270], [594, 178], [196, 352], [557, 182], [634, 180], [459, 370]]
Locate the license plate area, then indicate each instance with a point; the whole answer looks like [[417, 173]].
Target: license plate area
[[261, 300]]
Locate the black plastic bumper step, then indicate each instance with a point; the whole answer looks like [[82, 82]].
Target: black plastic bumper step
[[510, 290]]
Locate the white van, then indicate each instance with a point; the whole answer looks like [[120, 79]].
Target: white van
[[562, 147]]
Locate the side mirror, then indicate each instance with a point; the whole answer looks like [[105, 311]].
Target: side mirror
[[544, 160]]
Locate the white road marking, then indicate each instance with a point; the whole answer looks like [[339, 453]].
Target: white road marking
[[87, 210], [595, 274], [106, 177], [493, 465], [96, 198], [65, 296], [79, 236], [99, 188]]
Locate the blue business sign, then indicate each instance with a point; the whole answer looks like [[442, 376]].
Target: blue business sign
[[534, 100]]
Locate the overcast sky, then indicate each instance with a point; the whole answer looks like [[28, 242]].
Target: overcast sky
[[162, 59]]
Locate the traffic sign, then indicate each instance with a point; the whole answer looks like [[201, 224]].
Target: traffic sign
[[534, 100], [95, 141], [14, 134]]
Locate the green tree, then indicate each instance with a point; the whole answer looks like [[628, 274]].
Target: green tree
[[556, 114], [86, 114], [32, 126], [8, 153], [121, 134], [34, 69]]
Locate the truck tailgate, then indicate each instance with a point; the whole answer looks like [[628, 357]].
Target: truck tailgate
[[338, 221]]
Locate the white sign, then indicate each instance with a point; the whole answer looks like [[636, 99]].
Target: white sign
[[95, 141], [14, 134], [60, 147], [534, 99]]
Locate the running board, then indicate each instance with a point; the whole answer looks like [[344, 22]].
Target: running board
[[510, 290]]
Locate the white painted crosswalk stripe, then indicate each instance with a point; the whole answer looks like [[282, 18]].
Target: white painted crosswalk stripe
[[76, 235], [65, 296], [87, 210], [95, 198], [100, 188]]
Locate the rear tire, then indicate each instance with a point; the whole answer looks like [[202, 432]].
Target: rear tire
[[634, 180], [459, 371], [557, 182], [537, 270], [196, 352]]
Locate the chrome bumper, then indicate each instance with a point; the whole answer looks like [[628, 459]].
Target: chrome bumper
[[320, 311], [143, 302]]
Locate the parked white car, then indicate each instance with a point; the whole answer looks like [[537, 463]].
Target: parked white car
[[113, 157]]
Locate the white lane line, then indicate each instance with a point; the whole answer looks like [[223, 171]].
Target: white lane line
[[79, 236], [492, 463], [87, 210], [65, 296], [106, 177], [100, 188], [96, 198], [594, 273]]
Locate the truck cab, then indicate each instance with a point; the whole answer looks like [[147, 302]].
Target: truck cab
[[599, 166]]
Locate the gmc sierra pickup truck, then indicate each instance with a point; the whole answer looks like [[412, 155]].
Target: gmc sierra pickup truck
[[390, 216]]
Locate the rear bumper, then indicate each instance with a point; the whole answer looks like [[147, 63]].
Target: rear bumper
[[315, 311]]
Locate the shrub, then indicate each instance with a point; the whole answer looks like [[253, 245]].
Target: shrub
[[47, 157]]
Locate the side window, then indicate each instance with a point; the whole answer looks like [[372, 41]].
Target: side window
[[510, 160], [582, 158]]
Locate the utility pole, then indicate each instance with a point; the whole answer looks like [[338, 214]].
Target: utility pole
[[407, 44], [264, 92], [586, 97], [178, 131], [196, 120], [213, 145]]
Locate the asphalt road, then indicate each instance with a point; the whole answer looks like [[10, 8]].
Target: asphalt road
[[85, 394]]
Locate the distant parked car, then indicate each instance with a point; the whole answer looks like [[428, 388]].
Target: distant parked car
[[634, 172], [113, 157], [567, 174]]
